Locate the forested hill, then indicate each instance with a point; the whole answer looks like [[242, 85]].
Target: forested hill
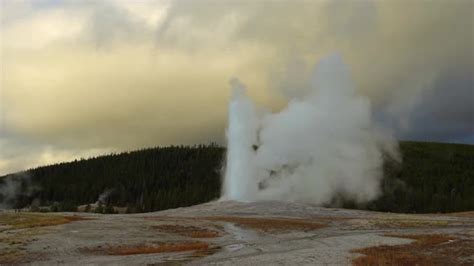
[[433, 177], [144, 180]]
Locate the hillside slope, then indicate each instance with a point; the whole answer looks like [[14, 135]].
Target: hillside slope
[[433, 177]]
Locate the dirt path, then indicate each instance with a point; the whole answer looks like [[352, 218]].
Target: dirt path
[[231, 232]]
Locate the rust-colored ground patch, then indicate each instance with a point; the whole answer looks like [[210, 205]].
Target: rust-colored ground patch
[[61, 220], [125, 250], [270, 224], [189, 231], [426, 250]]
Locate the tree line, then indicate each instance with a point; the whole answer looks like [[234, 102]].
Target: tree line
[[433, 177], [145, 180]]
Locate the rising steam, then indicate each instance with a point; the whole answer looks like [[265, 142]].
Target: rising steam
[[318, 147]]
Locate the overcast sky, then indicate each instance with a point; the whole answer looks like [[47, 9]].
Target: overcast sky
[[80, 78]]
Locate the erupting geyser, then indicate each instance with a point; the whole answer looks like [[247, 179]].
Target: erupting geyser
[[319, 147]]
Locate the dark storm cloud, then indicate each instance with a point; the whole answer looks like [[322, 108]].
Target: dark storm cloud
[[446, 112]]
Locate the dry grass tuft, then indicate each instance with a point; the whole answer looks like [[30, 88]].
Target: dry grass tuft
[[270, 224], [125, 250], [17, 230], [426, 250], [189, 231], [406, 222], [469, 214], [31, 220]]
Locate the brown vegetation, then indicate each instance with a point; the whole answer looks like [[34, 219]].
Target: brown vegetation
[[270, 224], [425, 250], [189, 231], [29, 225], [468, 214], [30, 220], [394, 222], [124, 250]]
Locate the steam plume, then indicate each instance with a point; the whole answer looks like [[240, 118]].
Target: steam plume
[[320, 146], [14, 187], [104, 196]]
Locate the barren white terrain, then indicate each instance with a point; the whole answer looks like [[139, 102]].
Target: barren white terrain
[[227, 232]]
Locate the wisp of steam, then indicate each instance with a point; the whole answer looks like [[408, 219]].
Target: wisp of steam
[[320, 146]]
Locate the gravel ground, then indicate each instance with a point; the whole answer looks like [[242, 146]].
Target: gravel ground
[[87, 241]]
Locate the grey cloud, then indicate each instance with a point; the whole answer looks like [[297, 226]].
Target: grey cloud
[[446, 112], [122, 84]]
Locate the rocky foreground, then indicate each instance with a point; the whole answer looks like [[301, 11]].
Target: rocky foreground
[[226, 232]]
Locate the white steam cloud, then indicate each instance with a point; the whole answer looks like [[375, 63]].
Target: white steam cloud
[[318, 147], [104, 196]]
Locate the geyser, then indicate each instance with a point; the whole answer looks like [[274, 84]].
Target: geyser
[[319, 147]]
